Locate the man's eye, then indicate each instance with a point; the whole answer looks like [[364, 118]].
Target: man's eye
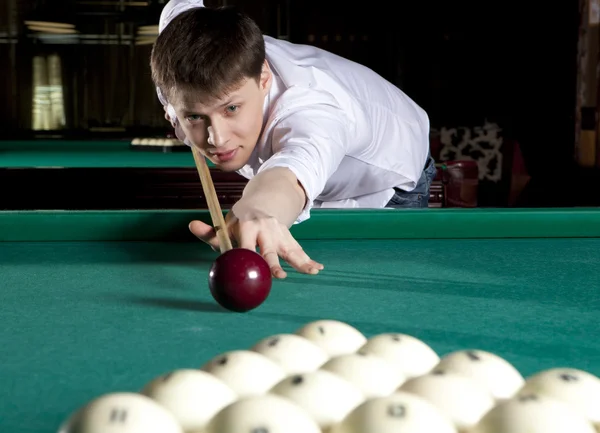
[[232, 108], [193, 117]]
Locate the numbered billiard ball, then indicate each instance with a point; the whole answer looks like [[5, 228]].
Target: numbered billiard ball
[[240, 280]]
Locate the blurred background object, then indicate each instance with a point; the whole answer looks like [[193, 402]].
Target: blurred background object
[[510, 86]]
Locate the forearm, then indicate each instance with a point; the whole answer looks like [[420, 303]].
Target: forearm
[[275, 193]]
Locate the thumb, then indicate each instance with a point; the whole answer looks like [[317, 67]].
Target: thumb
[[205, 233]]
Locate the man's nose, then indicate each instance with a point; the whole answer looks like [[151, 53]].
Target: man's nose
[[218, 135]]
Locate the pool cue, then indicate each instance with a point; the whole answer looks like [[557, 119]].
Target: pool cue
[[212, 201]]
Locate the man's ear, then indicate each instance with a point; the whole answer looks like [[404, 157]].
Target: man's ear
[[266, 77]]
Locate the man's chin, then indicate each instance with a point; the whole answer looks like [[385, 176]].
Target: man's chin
[[227, 169], [229, 166]]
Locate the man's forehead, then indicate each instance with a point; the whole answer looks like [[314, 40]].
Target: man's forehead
[[191, 100], [195, 104]]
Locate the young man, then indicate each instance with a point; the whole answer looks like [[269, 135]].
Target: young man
[[308, 129]]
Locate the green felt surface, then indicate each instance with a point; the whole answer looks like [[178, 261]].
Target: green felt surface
[[82, 153], [79, 319]]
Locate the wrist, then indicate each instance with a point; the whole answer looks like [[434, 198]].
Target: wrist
[[245, 210], [274, 193]]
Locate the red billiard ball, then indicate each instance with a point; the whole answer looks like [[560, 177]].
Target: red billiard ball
[[240, 280]]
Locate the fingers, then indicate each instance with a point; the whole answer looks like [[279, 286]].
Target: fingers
[[205, 233], [274, 243], [290, 251], [297, 257], [268, 250], [245, 233], [250, 238], [279, 243], [300, 261]]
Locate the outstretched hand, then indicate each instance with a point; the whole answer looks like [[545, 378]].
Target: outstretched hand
[[273, 239]]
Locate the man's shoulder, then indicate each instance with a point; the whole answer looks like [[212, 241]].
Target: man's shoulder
[[274, 44], [306, 111], [311, 74], [304, 56]]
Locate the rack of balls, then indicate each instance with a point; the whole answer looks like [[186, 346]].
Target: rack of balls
[[161, 144], [327, 377]]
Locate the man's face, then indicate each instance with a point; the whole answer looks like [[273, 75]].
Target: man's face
[[226, 130]]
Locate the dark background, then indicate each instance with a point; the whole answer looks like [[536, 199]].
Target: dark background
[[466, 63]]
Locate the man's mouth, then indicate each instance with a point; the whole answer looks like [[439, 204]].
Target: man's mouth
[[226, 156]]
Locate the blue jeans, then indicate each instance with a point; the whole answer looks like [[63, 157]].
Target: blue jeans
[[418, 197]]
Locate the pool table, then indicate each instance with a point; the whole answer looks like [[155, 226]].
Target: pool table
[[100, 301], [86, 153], [48, 174]]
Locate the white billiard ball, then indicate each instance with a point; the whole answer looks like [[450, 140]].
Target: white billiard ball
[[406, 353], [192, 396], [266, 413], [461, 399], [121, 412], [500, 377], [326, 397], [532, 413], [248, 373], [577, 388], [333, 336], [373, 376], [398, 412], [293, 353]]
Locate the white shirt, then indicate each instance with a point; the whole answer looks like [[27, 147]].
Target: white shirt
[[347, 134]]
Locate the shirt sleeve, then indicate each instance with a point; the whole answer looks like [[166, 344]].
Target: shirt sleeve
[[311, 143]]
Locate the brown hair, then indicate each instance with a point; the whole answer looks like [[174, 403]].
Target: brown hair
[[209, 51]]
